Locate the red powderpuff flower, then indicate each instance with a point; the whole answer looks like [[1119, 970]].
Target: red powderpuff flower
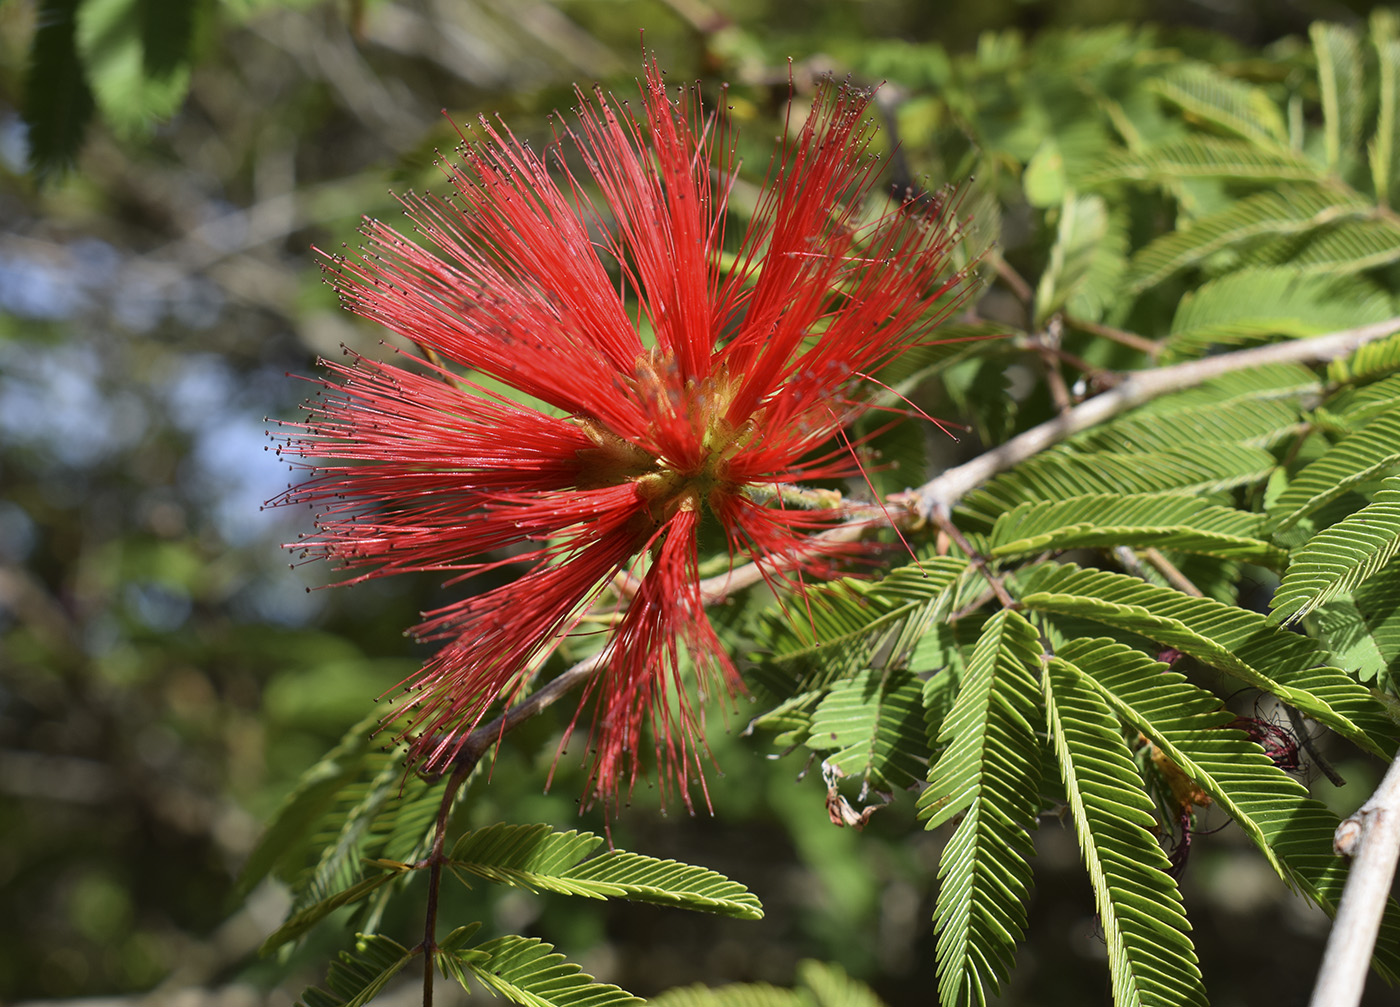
[[651, 390]]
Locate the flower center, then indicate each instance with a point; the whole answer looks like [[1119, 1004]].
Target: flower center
[[692, 442]]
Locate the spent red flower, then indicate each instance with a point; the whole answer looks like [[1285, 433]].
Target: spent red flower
[[605, 369]]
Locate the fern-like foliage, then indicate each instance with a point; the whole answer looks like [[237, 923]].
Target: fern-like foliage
[[846, 627], [1383, 153], [873, 725], [1200, 158], [819, 984], [339, 834], [1369, 362], [990, 774], [1192, 728], [1337, 560], [1086, 262], [1236, 641], [357, 977], [1150, 956], [1231, 106], [1161, 520], [529, 972], [1339, 77], [1371, 452], [539, 859], [1362, 629], [302, 920], [1253, 305], [1288, 211], [859, 623], [1064, 473]]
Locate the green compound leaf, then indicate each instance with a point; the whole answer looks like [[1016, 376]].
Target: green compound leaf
[[1237, 641], [1338, 559], [1349, 246], [303, 920], [1286, 212], [1189, 725], [537, 858], [832, 987], [1150, 957], [1363, 629], [1163, 521], [820, 984], [357, 977], [1272, 382], [1087, 260], [1201, 157], [875, 722], [1372, 452], [529, 972], [1207, 95], [852, 624], [112, 37], [354, 808], [58, 103], [1064, 473], [282, 846], [731, 995], [1253, 305], [1254, 421], [990, 774], [1384, 149], [1339, 77], [1369, 362]]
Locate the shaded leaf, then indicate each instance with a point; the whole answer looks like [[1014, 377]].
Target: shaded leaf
[[1339, 77], [303, 920], [1158, 520], [1252, 305], [1237, 641], [1288, 211], [355, 978], [989, 773], [529, 972], [58, 103], [1371, 452], [1086, 261], [1191, 727], [875, 722], [1363, 630], [1150, 957], [1338, 559], [1207, 95], [1202, 157], [1063, 473], [537, 858]]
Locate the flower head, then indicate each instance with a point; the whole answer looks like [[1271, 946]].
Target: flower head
[[607, 368]]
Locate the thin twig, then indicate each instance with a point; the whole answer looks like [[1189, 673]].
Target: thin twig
[[979, 561], [489, 734], [1136, 388], [473, 748], [1120, 336], [1132, 563], [1012, 279], [1046, 345], [435, 861], [1305, 740], [1372, 838], [719, 587], [1174, 577]]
